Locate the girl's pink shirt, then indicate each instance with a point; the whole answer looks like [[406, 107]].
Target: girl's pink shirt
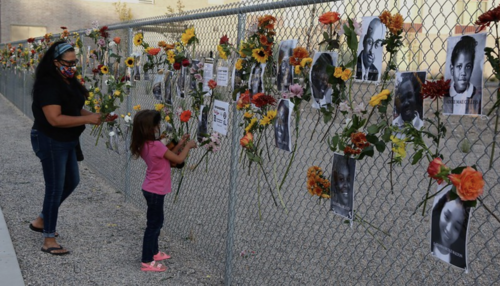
[[158, 180]]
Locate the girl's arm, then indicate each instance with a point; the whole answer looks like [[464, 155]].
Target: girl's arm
[[55, 118], [178, 159], [181, 144]]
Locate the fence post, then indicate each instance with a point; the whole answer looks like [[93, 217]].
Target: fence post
[[128, 156], [233, 184]]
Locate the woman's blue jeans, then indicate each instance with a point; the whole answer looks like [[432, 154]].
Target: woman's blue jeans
[[154, 224], [60, 172]]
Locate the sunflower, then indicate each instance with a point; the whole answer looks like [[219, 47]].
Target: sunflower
[[239, 64], [104, 69], [171, 57], [222, 53], [259, 55], [129, 62], [250, 125], [138, 39]]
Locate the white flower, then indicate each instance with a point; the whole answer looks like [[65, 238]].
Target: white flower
[[192, 70], [198, 77], [112, 113], [178, 111], [112, 133], [135, 55], [359, 108], [107, 82], [357, 27], [343, 106], [112, 44], [128, 83], [127, 119], [88, 32]]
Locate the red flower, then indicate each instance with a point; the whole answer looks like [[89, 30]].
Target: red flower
[[185, 115], [212, 84], [31, 40], [438, 170], [103, 32], [96, 71], [177, 66], [224, 40], [359, 139], [260, 100], [185, 62], [350, 151], [435, 90], [117, 40], [64, 28], [492, 15], [99, 67], [154, 51], [33, 52]]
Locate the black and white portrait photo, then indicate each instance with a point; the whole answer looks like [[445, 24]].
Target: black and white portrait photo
[[369, 64], [449, 224], [194, 69], [157, 86], [342, 187], [167, 83], [282, 125], [256, 83], [320, 88], [285, 70], [464, 66], [236, 80], [181, 82], [202, 130], [408, 103], [137, 72]]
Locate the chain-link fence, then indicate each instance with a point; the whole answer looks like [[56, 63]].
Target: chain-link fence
[[225, 212]]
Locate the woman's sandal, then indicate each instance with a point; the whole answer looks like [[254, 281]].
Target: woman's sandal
[[37, 229], [161, 256], [51, 249], [153, 266]]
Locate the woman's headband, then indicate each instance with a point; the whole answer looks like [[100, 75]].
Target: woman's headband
[[61, 49]]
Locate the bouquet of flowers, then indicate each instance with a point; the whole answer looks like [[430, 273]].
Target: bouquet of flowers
[[317, 183]]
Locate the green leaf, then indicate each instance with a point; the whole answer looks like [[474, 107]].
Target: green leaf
[[373, 129], [380, 145], [458, 170], [368, 151], [453, 195], [470, 204], [417, 156], [334, 141], [325, 36], [387, 135], [372, 138]]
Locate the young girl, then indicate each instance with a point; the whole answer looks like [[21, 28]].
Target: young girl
[[146, 144]]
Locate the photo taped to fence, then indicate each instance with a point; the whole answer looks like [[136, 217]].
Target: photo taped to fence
[[283, 137], [256, 82], [157, 83], [202, 130], [342, 187], [449, 227], [370, 51], [464, 67], [181, 82], [321, 90], [167, 83], [285, 71]]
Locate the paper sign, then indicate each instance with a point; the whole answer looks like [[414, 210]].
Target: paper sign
[[221, 117], [222, 76]]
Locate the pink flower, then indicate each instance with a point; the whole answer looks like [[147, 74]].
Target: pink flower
[[198, 77], [296, 90], [192, 70], [343, 106], [357, 27], [200, 65], [360, 108]]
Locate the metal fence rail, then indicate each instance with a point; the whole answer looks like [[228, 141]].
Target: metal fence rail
[[217, 212]]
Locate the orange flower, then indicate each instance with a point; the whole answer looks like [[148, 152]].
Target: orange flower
[[117, 40], [438, 170], [348, 150], [329, 18], [212, 84], [359, 139], [162, 44], [299, 53], [385, 18], [263, 40], [469, 184], [247, 140], [185, 115], [169, 47], [154, 51], [267, 22], [396, 24], [244, 100]]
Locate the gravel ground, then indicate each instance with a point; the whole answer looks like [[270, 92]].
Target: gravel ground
[[102, 230]]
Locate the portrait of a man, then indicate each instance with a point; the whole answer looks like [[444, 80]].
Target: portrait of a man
[[465, 70], [342, 187], [282, 125], [320, 88], [369, 62], [285, 71], [408, 102]]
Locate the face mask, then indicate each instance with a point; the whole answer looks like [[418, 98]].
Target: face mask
[[68, 72]]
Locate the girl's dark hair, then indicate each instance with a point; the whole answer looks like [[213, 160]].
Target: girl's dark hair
[[145, 122], [466, 45], [459, 245], [46, 71]]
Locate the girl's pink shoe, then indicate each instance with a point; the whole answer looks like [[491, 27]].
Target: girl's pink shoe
[[161, 256], [153, 266]]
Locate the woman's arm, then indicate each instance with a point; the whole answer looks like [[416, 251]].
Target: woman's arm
[[56, 119], [84, 112], [178, 159]]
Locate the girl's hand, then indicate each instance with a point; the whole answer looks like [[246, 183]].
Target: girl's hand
[[191, 144], [184, 138]]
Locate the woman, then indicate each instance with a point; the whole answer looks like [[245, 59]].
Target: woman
[[449, 230], [58, 99]]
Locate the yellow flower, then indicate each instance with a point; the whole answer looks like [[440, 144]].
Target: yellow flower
[[248, 114], [159, 106], [128, 114], [187, 36], [266, 120], [272, 114], [96, 101], [259, 55], [297, 69], [91, 95], [377, 99], [97, 109], [147, 49], [167, 118], [104, 70], [137, 107], [87, 102], [117, 93], [239, 64], [97, 89], [222, 53], [138, 39], [129, 62], [338, 72], [306, 62], [79, 77], [250, 125], [399, 147], [178, 47], [346, 74], [122, 116], [171, 56]]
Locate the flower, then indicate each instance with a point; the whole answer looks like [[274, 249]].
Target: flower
[[346, 74], [30, 40], [359, 139], [162, 44], [338, 72], [97, 89], [306, 62], [224, 40], [399, 147], [117, 40], [153, 51], [317, 183], [266, 120], [87, 102], [187, 36], [177, 66], [129, 62], [138, 39], [469, 184], [248, 114], [360, 108], [299, 53], [438, 170], [117, 93], [435, 90], [486, 18], [137, 107], [296, 90], [251, 125], [377, 99], [259, 55], [171, 57], [212, 84], [243, 101], [185, 62], [343, 106], [348, 150], [185, 116], [385, 18], [103, 32], [222, 53], [267, 22], [261, 99], [247, 140], [159, 106], [104, 69], [239, 64], [329, 18], [396, 24]]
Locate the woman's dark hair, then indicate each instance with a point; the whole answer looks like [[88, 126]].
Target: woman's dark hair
[[46, 71], [466, 45], [459, 245], [145, 123]]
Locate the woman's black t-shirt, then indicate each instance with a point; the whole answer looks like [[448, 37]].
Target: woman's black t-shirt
[[56, 92]]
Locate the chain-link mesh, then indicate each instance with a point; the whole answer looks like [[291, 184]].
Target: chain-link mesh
[[225, 212]]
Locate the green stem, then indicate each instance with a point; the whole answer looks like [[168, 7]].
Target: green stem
[[99, 134], [267, 181], [426, 196], [258, 201], [179, 186], [330, 126], [317, 122], [204, 155]]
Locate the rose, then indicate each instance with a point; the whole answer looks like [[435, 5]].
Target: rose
[[185, 62], [177, 66], [224, 40], [117, 40], [247, 140], [377, 99], [154, 51], [185, 116], [212, 84], [469, 184], [243, 101], [438, 170], [329, 18]]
